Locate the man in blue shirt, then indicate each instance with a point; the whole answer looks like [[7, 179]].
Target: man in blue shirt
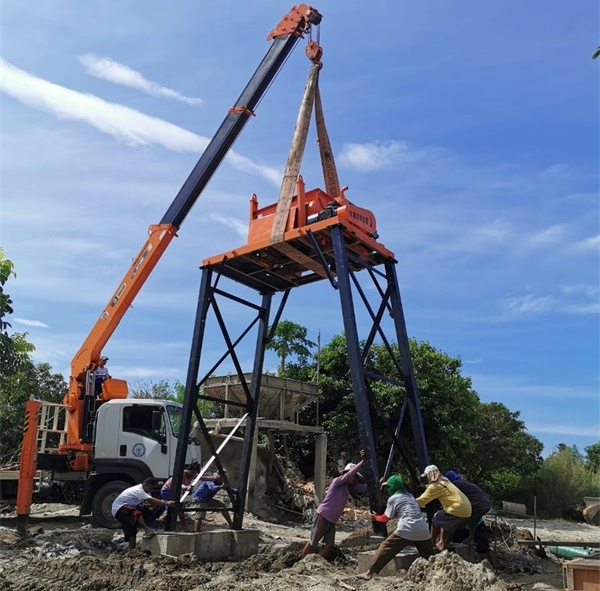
[[205, 494]]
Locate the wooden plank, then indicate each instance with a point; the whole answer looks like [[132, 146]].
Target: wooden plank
[[330, 175], [292, 169], [300, 257]]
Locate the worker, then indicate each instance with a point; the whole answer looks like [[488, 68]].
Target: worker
[[101, 375], [456, 508], [129, 509], [189, 474], [480, 502], [411, 528], [331, 509], [205, 494]]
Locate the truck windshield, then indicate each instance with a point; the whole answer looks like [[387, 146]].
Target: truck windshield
[[174, 413]]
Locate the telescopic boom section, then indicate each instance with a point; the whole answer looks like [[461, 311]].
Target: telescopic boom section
[[285, 35]]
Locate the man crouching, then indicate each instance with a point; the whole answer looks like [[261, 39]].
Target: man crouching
[[128, 509]]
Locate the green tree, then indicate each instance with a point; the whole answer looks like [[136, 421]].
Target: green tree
[[289, 339], [561, 483], [29, 380], [14, 348], [161, 390], [486, 442], [164, 390], [505, 452], [592, 454]]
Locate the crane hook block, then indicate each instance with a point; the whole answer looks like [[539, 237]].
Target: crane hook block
[[314, 52], [296, 22]]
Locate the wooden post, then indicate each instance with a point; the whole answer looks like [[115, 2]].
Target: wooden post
[[320, 465], [292, 169], [332, 183]]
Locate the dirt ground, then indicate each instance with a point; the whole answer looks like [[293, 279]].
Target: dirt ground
[[64, 552]]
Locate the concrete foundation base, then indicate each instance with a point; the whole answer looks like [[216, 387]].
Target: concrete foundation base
[[404, 560], [218, 545], [464, 551], [401, 561]]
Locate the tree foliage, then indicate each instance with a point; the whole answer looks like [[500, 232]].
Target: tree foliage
[[161, 390], [14, 348], [16, 387], [485, 441], [289, 339], [20, 378], [592, 454], [561, 483]]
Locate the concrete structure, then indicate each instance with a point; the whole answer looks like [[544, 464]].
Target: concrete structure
[[207, 545], [279, 404]]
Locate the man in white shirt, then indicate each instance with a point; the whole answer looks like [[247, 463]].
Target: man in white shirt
[[411, 528], [101, 375], [127, 508]]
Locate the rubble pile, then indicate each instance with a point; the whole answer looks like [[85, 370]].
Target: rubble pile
[[450, 572]]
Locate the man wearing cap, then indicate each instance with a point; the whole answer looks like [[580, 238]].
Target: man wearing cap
[[101, 375], [411, 529], [331, 509], [480, 502], [456, 508]]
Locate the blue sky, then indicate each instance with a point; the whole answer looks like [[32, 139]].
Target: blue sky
[[470, 130]]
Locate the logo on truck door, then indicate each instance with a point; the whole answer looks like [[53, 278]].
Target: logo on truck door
[[138, 450]]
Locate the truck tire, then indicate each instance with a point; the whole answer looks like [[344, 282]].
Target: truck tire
[[103, 500]]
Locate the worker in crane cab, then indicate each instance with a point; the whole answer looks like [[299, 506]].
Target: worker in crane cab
[[101, 375], [131, 510]]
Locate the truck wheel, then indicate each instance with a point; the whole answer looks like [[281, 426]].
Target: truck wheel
[[103, 500]]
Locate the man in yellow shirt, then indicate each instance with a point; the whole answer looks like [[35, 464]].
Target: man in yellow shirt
[[456, 508]]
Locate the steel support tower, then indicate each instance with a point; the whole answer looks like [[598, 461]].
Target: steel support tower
[[272, 270]]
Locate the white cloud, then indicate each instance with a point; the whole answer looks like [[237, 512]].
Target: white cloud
[[551, 235], [584, 309], [123, 123], [499, 387], [33, 323], [590, 291], [158, 373], [571, 430], [107, 69], [236, 225], [528, 304], [375, 156], [531, 304], [591, 243]]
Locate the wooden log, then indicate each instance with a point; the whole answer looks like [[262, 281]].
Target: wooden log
[[330, 175], [292, 169]]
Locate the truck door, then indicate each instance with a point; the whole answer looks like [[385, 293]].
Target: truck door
[[144, 438]]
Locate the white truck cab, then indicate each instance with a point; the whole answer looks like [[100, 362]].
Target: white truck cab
[[133, 439]]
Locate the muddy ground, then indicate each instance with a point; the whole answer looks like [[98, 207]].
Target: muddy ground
[[64, 552]]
